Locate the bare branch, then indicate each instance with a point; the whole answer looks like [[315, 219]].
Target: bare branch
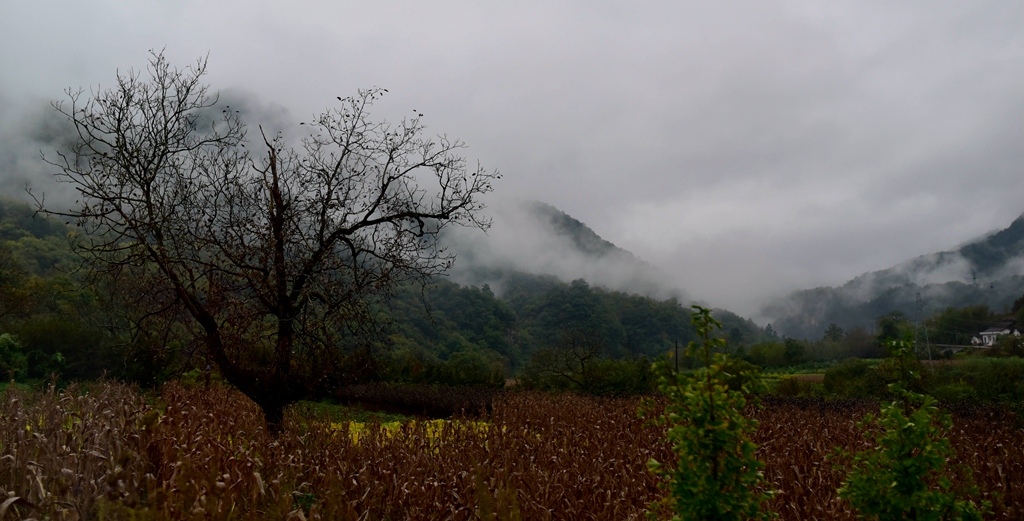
[[278, 259]]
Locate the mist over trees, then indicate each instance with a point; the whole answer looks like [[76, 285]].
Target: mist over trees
[[537, 238], [984, 272], [464, 336], [296, 269], [44, 307], [540, 329]]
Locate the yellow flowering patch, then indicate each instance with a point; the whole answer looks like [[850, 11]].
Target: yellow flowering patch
[[433, 429]]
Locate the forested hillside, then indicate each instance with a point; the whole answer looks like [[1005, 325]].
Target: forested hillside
[[468, 333], [49, 321], [537, 312], [536, 238], [984, 272]]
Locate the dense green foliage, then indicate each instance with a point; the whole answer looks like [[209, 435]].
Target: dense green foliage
[[578, 363], [463, 335], [441, 334], [956, 326], [37, 245], [785, 353], [12, 357], [716, 475], [993, 380], [904, 475], [525, 332], [48, 315], [854, 378]]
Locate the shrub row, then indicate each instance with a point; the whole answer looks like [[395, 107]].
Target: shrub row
[[989, 380]]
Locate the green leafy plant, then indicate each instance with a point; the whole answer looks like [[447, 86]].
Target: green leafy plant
[[12, 359], [854, 378], [904, 476], [716, 475]]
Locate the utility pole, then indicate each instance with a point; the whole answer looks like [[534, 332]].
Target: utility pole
[[920, 318], [677, 356]]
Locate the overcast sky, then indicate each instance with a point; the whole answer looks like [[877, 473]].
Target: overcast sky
[[748, 148]]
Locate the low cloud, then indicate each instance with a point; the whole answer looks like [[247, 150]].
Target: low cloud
[[35, 133], [535, 238], [745, 149], [27, 133]]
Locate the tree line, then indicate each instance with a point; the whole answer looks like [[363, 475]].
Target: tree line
[[439, 332]]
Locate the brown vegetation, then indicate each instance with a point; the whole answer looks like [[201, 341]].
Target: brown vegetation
[[797, 435], [812, 378], [205, 454]]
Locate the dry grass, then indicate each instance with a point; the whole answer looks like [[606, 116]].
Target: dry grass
[[65, 451], [106, 454], [797, 435], [812, 378]]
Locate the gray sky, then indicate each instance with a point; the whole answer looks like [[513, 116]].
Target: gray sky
[[747, 148]]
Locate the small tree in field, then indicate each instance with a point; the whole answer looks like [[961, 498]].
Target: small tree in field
[[903, 476], [716, 475], [278, 260]]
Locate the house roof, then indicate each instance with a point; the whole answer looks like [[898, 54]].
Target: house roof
[[998, 327]]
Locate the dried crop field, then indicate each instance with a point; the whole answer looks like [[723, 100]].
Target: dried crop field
[[203, 454], [797, 435]]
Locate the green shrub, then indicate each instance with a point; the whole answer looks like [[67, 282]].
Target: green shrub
[[461, 368], [790, 386], [620, 377], [794, 352], [466, 368], [599, 375], [13, 363], [739, 374], [716, 475], [995, 379], [954, 392], [767, 354], [63, 346], [904, 475], [854, 378], [148, 362]]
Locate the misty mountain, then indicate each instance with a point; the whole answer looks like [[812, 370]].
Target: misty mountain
[[464, 326], [985, 271], [582, 237], [535, 238]]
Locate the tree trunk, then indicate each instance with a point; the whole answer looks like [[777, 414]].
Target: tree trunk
[[274, 414]]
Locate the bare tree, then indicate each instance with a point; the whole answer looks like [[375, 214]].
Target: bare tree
[[279, 258], [570, 361]]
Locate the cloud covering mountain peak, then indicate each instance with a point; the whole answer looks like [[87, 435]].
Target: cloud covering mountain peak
[[537, 238], [988, 270]]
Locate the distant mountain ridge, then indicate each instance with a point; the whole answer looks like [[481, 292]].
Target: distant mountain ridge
[[537, 238], [986, 271], [582, 236], [993, 253]]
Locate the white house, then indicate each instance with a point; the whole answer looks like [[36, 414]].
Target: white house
[[987, 338]]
